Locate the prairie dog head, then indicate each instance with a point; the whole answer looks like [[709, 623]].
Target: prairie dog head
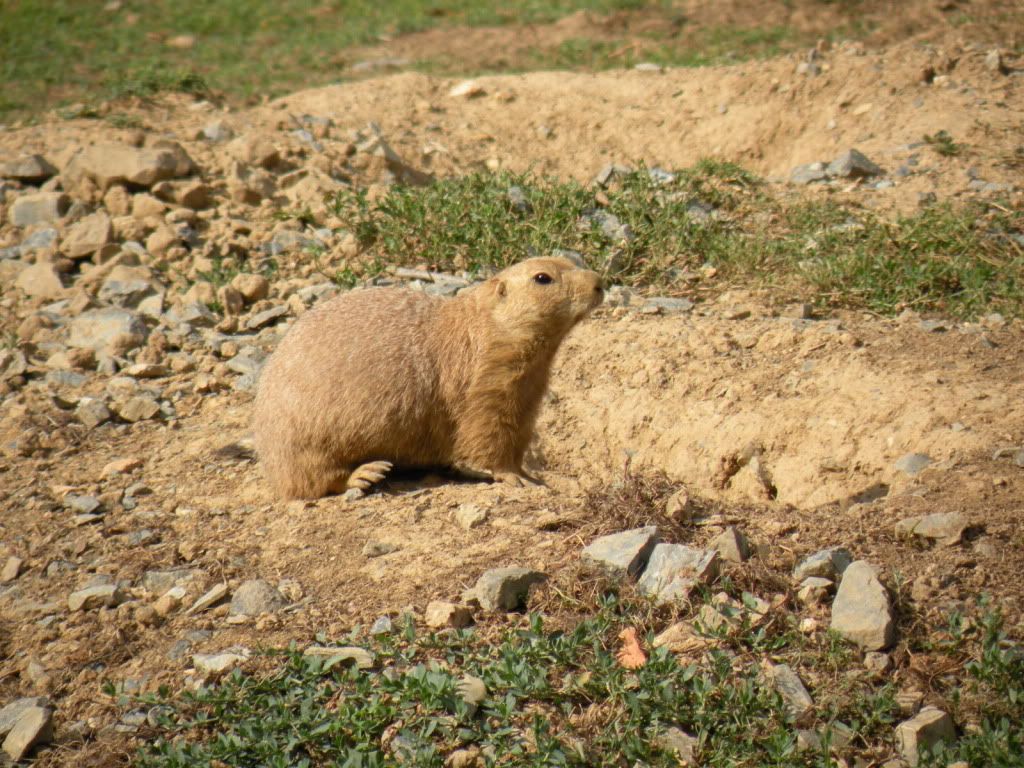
[[544, 297]]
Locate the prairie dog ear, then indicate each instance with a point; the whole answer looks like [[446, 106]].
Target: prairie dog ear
[[500, 289]]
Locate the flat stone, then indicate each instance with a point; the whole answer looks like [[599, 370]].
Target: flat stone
[[827, 564], [11, 569], [379, 548], [126, 286], [87, 236], [38, 208], [861, 612], [948, 527], [913, 463], [108, 164], [808, 173], [731, 545], [852, 164], [923, 731], [503, 589], [349, 655], [40, 280], [138, 408], [34, 727], [681, 638], [81, 505], [470, 515], [214, 665], [674, 570], [877, 662], [12, 712], [622, 554], [666, 305], [33, 169], [799, 704], [159, 582], [254, 597], [440, 614], [266, 317], [213, 596], [102, 329], [95, 597]]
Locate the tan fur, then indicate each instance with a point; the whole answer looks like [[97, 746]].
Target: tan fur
[[391, 375]]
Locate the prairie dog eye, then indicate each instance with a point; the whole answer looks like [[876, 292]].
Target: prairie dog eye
[[543, 278]]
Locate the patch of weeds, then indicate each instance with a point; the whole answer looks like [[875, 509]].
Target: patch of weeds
[[990, 697], [644, 232], [553, 698], [148, 81], [655, 230], [122, 120], [224, 270], [943, 144]]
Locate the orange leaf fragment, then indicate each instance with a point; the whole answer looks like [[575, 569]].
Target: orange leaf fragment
[[630, 655]]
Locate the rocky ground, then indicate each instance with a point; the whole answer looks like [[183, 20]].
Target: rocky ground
[[147, 272]]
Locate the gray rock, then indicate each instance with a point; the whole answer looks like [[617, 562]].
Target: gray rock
[[948, 527], [92, 412], [101, 329], [923, 731], [40, 240], [217, 131], [852, 164], [679, 743], [913, 463], [799, 704], [503, 589], [12, 712], [731, 545], [29, 168], [666, 305], [160, 581], [470, 515], [609, 224], [861, 612], [126, 287], [607, 174], [266, 317], [813, 590], [348, 654], [213, 596], [138, 408], [373, 549], [934, 326], [877, 662], [808, 173], [214, 665], [827, 564], [382, 626], [675, 569], [81, 505], [95, 597], [245, 365], [38, 208], [288, 240], [195, 314], [518, 200], [254, 597], [35, 726], [622, 554]]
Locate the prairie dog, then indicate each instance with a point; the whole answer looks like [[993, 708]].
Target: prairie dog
[[389, 376]]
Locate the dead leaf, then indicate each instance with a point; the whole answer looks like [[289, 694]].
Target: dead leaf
[[630, 655]]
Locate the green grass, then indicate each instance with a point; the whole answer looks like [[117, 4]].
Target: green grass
[[559, 697], [62, 51], [943, 144], [554, 698], [958, 261]]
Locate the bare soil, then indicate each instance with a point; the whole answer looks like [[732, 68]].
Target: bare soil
[[792, 427]]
